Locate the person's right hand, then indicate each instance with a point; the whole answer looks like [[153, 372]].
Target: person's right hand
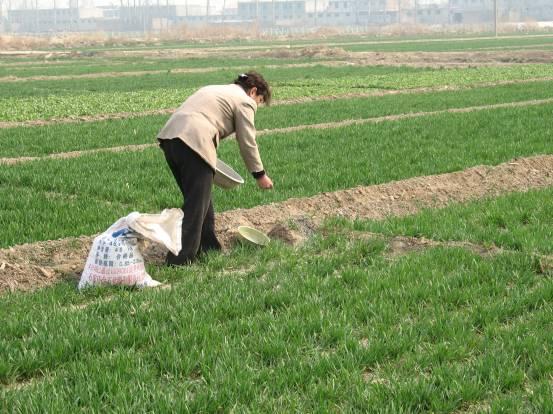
[[264, 182]]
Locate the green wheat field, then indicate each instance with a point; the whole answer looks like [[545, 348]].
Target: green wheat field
[[338, 324]]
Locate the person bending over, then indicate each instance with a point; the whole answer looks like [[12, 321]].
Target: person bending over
[[189, 141]]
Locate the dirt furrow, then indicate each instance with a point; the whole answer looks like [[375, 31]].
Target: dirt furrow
[[326, 125], [405, 116], [293, 101], [75, 154], [31, 266]]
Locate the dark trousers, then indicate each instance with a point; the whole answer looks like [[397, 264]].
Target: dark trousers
[[195, 179]]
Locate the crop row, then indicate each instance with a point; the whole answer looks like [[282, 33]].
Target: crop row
[[333, 319], [167, 80], [101, 65], [302, 164], [454, 45], [47, 106], [38, 141]]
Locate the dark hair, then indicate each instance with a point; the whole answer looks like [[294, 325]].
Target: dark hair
[[253, 79]]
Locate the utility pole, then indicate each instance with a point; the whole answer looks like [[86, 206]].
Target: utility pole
[[121, 15], [55, 16], [416, 12], [144, 11], [398, 11], [495, 17], [207, 11], [36, 16], [158, 16]]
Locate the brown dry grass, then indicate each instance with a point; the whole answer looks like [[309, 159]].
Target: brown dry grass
[[212, 33]]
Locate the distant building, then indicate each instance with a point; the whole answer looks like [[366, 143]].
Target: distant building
[[152, 17], [429, 14], [136, 19], [276, 13], [522, 10], [54, 20], [471, 11], [382, 12], [280, 12]]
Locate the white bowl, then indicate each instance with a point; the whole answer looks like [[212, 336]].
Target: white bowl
[[225, 177], [253, 235]]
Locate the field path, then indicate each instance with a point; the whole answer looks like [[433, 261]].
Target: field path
[[326, 125], [31, 266], [293, 101]]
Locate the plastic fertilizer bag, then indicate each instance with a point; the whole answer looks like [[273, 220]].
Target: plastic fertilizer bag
[[115, 258]]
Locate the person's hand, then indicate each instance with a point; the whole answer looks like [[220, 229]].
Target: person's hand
[[264, 182]]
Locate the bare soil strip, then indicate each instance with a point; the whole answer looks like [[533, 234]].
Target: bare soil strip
[[417, 59], [75, 154], [488, 57], [294, 101], [295, 44], [31, 266], [326, 125]]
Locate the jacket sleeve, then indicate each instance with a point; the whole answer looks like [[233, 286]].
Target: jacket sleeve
[[245, 135]]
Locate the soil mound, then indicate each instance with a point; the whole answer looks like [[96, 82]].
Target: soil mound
[[35, 265]]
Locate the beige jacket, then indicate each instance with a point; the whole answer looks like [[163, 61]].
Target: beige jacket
[[211, 114]]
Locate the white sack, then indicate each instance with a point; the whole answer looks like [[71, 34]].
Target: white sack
[[115, 258], [164, 228]]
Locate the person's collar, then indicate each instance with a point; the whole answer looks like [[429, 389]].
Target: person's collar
[[249, 97]]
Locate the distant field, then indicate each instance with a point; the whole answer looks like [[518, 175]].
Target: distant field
[[453, 45], [365, 43], [21, 142], [137, 64], [66, 98]]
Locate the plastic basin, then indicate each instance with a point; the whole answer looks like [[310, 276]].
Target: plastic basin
[[254, 236], [225, 177]]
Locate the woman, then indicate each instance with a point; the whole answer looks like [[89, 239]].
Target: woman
[[189, 140]]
